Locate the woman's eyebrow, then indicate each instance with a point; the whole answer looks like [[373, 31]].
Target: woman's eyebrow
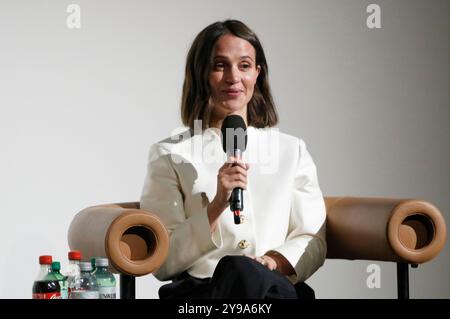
[[226, 58]]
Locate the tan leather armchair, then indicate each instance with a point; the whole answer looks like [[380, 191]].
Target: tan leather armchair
[[405, 231]]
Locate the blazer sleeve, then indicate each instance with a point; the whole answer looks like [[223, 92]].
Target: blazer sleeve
[[190, 237], [305, 245]]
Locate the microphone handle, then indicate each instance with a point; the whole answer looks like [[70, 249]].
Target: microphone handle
[[237, 203], [237, 196]]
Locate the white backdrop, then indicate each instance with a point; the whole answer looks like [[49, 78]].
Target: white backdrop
[[79, 109]]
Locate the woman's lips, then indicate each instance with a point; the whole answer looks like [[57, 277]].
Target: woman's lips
[[232, 93]]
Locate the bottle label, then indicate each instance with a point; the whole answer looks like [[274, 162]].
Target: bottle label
[[83, 294], [107, 292], [47, 295]]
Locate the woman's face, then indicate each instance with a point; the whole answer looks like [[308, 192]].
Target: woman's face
[[233, 76]]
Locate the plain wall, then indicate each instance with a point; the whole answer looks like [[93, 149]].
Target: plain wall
[[79, 109]]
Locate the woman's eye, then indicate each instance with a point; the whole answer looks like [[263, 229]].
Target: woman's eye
[[221, 65]]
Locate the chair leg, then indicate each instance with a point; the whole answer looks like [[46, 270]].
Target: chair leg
[[127, 287], [402, 280]]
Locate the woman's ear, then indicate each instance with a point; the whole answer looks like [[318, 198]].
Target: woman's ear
[[258, 69]]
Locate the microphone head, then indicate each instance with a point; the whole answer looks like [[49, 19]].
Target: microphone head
[[234, 134]]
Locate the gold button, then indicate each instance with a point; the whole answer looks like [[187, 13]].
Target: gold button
[[243, 244]]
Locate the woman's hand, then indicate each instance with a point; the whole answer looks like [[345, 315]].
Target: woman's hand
[[265, 260], [231, 175]]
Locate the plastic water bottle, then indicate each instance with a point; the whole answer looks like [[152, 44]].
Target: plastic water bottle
[[62, 280], [105, 279], [88, 285], [72, 272]]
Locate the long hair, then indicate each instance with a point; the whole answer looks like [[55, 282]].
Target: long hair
[[197, 92]]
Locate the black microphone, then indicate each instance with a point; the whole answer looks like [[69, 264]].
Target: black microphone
[[234, 143]]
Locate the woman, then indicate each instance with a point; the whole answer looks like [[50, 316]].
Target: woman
[[281, 241]]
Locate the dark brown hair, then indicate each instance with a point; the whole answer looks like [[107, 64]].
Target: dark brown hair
[[196, 90]]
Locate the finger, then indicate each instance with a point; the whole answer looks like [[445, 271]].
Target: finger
[[239, 181], [241, 165], [245, 166], [225, 167], [232, 176], [232, 182], [239, 178], [236, 161], [270, 263], [228, 164], [238, 169], [238, 184], [233, 170], [231, 160], [260, 260]]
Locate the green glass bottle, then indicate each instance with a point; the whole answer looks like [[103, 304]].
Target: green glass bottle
[[64, 285], [105, 279]]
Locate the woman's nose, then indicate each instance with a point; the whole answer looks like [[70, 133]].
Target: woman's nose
[[232, 76]]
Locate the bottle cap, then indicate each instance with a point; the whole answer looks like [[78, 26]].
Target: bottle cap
[[45, 260], [56, 266], [85, 266], [74, 255], [101, 262]]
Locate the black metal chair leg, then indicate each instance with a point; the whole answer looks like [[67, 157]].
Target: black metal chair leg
[[403, 280], [127, 287]]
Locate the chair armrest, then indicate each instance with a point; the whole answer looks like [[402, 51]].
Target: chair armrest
[[135, 241], [385, 229]]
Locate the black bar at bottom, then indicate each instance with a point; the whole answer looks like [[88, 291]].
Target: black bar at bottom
[[127, 287], [403, 280]]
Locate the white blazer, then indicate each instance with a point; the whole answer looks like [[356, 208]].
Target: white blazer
[[284, 208]]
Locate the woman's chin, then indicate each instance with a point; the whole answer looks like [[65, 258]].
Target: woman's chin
[[230, 108]]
